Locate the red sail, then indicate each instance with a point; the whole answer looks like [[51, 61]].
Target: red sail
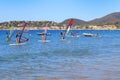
[[71, 22]]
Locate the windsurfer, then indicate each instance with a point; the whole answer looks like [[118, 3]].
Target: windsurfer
[[43, 37], [8, 38], [62, 36], [17, 37], [71, 34]]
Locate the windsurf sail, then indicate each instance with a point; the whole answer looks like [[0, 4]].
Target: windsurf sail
[[46, 29], [69, 26], [11, 31], [22, 34]]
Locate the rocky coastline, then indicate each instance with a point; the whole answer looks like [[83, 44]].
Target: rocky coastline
[[40, 25]]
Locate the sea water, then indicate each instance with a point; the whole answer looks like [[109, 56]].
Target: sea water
[[83, 58]]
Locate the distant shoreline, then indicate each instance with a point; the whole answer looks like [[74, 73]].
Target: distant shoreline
[[65, 29]]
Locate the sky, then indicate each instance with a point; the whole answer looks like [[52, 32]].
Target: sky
[[56, 10]]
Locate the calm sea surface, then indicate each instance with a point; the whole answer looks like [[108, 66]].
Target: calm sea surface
[[83, 58]]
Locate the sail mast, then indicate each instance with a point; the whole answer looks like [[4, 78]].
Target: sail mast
[[69, 26], [22, 32]]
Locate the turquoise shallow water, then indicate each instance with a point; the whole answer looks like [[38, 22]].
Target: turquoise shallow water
[[83, 58]]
